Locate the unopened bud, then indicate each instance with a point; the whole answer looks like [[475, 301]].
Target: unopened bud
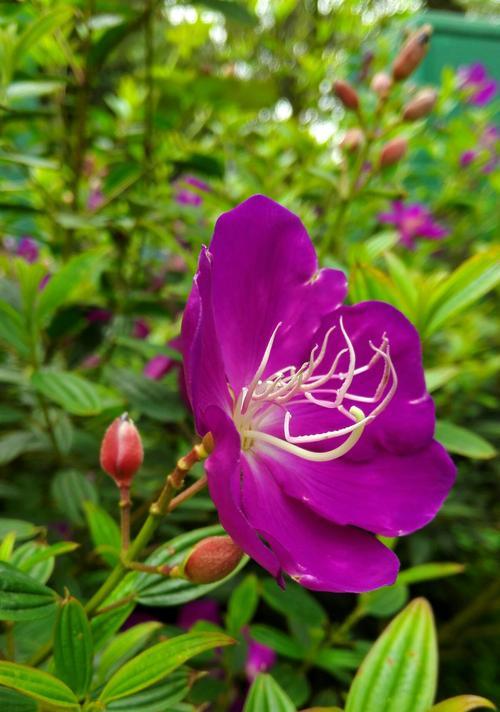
[[412, 53], [353, 140], [212, 559], [421, 105], [381, 84], [121, 450], [393, 151], [347, 94]]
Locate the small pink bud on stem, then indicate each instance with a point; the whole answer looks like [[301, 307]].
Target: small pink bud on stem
[[353, 140], [393, 151], [121, 451], [212, 559], [381, 84], [421, 105], [412, 53], [347, 94]]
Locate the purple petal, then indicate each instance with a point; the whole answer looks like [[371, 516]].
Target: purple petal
[[159, 366], [485, 94], [467, 158], [265, 271], [259, 659], [203, 609], [27, 249], [140, 329], [472, 74], [318, 554]]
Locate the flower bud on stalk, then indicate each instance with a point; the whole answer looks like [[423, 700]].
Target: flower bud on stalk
[[393, 151], [212, 559], [381, 84], [412, 53], [347, 94], [421, 105], [353, 140], [121, 451]]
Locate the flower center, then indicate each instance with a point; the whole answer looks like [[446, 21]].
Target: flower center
[[325, 388]]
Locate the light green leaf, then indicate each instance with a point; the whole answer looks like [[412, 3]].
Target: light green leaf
[[21, 90], [73, 648], [463, 703], [124, 646], [40, 571], [37, 684], [158, 698], [154, 664], [41, 26], [266, 695], [21, 597], [427, 572], [462, 441], [74, 393], [399, 674], [104, 531], [242, 604], [384, 601], [22, 530], [440, 376]]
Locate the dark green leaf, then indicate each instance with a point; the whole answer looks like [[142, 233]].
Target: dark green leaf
[[158, 698], [73, 649], [104, 531], [21, 597], [74, 393], [294, 601], [242, 604], [70, 489]]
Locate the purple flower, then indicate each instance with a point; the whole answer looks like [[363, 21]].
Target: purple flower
[[260, 658], [27, 248], [98, 315], [159, 366], [140, 329], [467, 157], [185, 196], [480, 87], [322, 425], [95, 199], [203, 609], [413, 220], [44, 281]]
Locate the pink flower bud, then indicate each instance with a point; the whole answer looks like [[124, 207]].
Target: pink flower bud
[[381, 84], [353, 140], [212, 559], [121, 450], [412, 53], [421, 105], [347, 94], [393, 151]]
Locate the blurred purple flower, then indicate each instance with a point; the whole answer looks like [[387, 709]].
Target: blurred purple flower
[[260, 658], [27, 248], [185, 196], [322, 424], [95, 199], [467, 157], [486, 148], [159, 366], [44, 281], [412, 221], [91, 361], [203, 609], [99, 315], [480, 87], [140, 329]]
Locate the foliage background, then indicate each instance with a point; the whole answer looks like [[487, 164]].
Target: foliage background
[[105, 108]]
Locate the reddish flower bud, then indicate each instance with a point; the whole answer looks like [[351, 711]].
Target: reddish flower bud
[[393, 151], [412, 53], [381, 84], [347, 94], [421, 105], [212, 559], [353, 139], [121, 450]]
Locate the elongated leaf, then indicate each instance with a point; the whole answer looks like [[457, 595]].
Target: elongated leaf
[[13, 701], [399, 673], [14, 444], [65, 282], [242, 604], [278, 641], [437, 377], [37, 684], [427, 572], [22, 530], [104, 531], [266, 695], [13, 330], [463, 703], [158, 698], [22, 557], [74, 393], [294, 601], [43, 25], [157, 662], [73, 649], [104, 626], [463, 441], [385, 601], [48, 552], [21, 597], [70, 489], [334, 659], [124, 646]]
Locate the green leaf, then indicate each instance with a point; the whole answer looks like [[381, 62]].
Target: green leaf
[[462, 703], [7, 546], [43, 25], [158, 698], [294, 681], [66, 281], [266, 695], [468, 283], [242, 604], [427, 572], [399, 673], [22, 159], [22, 530], [384, 601], [105, 625], [74, 393], [294, 601], [462, 441], [13, 701], [124, 646], [70, 489], [234, 11], [278, 641], [49, 552], [157, 400], [21, 90], [13, 331], [37, 684], [437, 377], [40, 571], [104, 531], [21, 597], [334, 660], [17, 443], [154, 664], [73, 648]]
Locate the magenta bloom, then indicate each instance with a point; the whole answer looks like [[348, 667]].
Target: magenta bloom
[[140, 329], [413, 220], [95, 199], [203, 609], [159, 366], [27, 249], [480, 87], [322, 425], [99, 315], [185, 196], [260, 658]]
